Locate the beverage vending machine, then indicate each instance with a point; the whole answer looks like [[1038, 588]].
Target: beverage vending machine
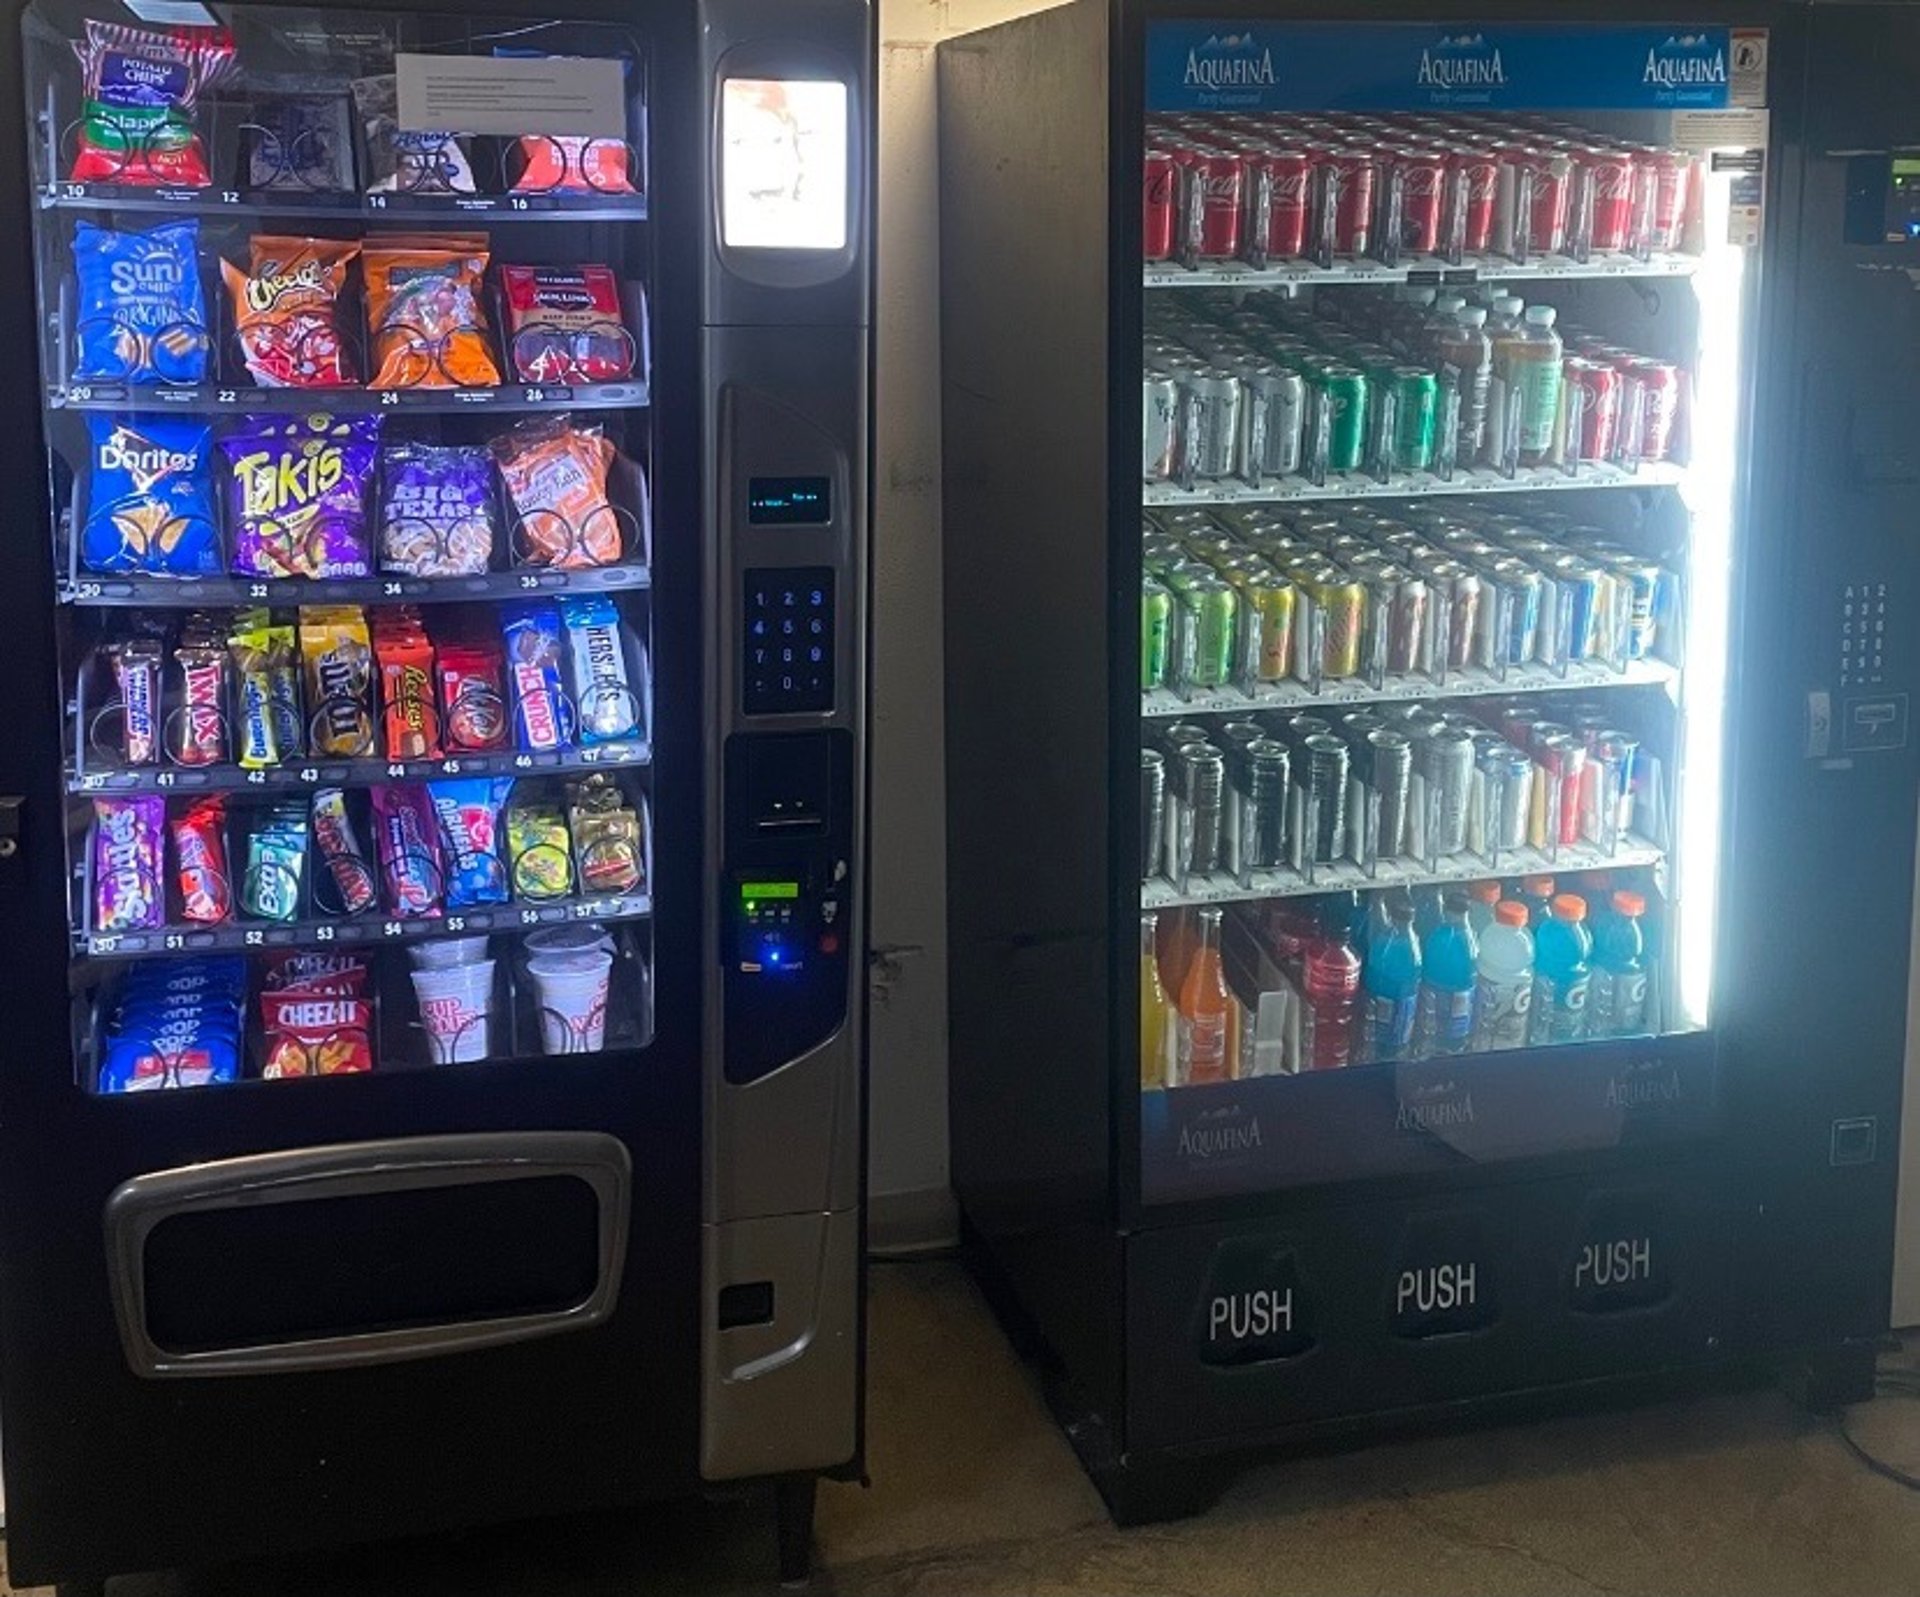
[[431, 821], [1431, 798]]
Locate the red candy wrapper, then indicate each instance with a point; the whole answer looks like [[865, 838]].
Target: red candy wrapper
[[339, 843], [405, 656], [473, 695], [564, 326], [407, 841], [200, 861], [563, 164]]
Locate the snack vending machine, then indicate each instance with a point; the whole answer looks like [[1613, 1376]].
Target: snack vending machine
[[1431, 801], [431, 820]]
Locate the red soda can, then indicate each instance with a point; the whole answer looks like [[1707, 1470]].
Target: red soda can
[[1423, 192], [1610, 177], [1552, 194], [1353, 171], [1161, 205], [1600, 413], [1222, 175], [1659, 382], [1668, 172], [1283, 229], [1477, 171]]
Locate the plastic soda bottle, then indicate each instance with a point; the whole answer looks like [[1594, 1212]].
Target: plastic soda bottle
[[1562, 974], [1447, 980], [1156, 1012], [1392, 984], [1533, 377], [1206, 1011], [1504, 993], [1331, 992], [1619, 999]]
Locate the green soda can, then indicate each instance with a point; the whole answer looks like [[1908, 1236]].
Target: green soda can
[[1156, 633], [1416, 414], [1209, 631], [1343, 390]]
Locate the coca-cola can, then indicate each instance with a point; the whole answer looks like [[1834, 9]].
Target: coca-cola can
[[1353, 173], [1277, 182], [1600, 386], [1552, 195], [1222, 175], [1667, 171], [1423, 188], [1161, 205], [1610, 179], [1659, 382], [1477, 172]]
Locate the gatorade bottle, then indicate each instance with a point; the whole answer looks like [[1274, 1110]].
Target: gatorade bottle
[[1156, 1013], [1392, 985], [1562, 974], [1620, 970], [1504, 995], [1427, 913], [1206, 1011], [1447, 978], [1536, 892], [1481, 898], [1330, 992]]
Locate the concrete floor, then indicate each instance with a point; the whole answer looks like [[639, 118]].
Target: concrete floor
[[975, 1493]]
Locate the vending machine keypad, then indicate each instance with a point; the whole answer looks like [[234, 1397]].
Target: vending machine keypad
[[787, 641]]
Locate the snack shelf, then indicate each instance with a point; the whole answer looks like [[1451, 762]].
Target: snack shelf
[[359, 931], [372, 207], [1340, 875], [308, 774], [1531, 678], [220, 400], [192, 593], [1418, 485], [1431, 270]]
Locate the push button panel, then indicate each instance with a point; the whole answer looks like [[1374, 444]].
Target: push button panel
[[787, 642]]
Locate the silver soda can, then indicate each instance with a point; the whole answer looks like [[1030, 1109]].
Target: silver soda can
[[1390, 775], [1276, 408], [1160, 427], [1449, 774], [1266, 765], [1153, 800], [1203, 781], [1326, 767], [1508, 776], [1212, 434], [1462, 584], [1525, 586]]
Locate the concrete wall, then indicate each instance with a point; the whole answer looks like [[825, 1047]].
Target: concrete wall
[[908, 1160]]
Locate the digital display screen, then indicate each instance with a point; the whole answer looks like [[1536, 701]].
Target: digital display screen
[[783, 166], [789, 501], [754, 891]]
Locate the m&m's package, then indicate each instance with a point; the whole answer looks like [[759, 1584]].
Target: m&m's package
[[556, 480], [564, 324], [469, 812], [298, 505], [436, 510], [407, 842], [426, 313], [149, 497], [129, 873], [286, 311], [337, 654], [141, 87], [175, 1023], [141, 315], [404, 160]]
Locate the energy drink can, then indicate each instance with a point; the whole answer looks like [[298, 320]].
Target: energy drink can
[[1523, 586], [1156, 633], [1264, 795], [1326, 784], [1642, 581], [1507, 774], [1153, 800], [1580, 584], [1209, 631], [1448, 767], [1267, 618], [1203, 777], [1343, 390], [1389, 759]]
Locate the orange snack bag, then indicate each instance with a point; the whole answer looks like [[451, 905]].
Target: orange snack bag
[[284, 307], [426, 313], [556, 479]]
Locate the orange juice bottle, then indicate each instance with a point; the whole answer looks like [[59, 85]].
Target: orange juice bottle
[[1156, 1012], [1206, 1011]]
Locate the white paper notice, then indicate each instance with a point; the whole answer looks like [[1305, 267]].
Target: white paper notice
[[1718, 130], [508, 96]]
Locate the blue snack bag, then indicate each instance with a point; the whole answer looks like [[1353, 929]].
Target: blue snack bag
[[150, 497], [468, 809], [535, 642], [142, 317]]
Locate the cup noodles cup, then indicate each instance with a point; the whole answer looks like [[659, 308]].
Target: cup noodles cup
[[571, 990], [456, 1011]]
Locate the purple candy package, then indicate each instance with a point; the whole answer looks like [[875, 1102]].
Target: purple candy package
[[437, 515], [407, 840], [129, 865], [299, 494]]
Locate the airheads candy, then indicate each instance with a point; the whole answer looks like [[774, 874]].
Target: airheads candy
[[469, 812], [299, 495], [141, 87], [141, 317], [150, 498]]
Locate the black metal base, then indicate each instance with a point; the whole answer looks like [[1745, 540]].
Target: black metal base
[[81, 1588], [793, 1498], [1830, 1378]]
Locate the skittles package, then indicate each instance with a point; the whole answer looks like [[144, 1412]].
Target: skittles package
[[141, 316], [286, 311], [564, 326], [141, 87], [436, 510], [129, 874], [150, 498], [469, 811], [298, 505], [425, 312], [556, 479]]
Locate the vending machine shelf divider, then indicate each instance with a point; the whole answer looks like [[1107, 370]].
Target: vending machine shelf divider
[[493, 208], [1164, 703], [1425, 269], [1419, 485], [174, 593], [219, 400]]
